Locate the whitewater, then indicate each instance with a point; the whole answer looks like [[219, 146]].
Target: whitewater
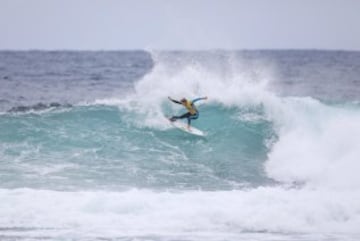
[[86, 151]]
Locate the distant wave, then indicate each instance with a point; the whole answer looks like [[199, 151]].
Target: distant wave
[[37, 107]]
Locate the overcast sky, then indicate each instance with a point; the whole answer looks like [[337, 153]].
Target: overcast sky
[[180, 24]]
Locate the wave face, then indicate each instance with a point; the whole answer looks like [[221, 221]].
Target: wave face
[[86, 134]]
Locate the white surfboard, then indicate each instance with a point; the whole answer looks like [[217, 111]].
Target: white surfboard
[[183, 126]]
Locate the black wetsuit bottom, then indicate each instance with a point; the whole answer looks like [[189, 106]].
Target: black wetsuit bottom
[[187, 115]]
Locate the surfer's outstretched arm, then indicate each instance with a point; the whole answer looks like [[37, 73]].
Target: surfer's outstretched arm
[[175, 101], [200, 98]]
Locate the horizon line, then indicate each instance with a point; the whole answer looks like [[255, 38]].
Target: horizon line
[[175, 50]]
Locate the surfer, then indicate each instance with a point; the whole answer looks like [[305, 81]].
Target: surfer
[[192, 113]]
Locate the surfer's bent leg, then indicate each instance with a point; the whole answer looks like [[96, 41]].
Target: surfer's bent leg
[[186, 115], [192, 117]]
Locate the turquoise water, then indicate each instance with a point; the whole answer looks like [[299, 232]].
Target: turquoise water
[[89, 147]]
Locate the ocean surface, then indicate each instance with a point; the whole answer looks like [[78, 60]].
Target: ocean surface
[[86, 151]]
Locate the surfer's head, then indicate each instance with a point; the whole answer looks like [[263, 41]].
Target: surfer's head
[[183, 100]]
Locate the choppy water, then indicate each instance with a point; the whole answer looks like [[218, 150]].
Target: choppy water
[[86, 153]]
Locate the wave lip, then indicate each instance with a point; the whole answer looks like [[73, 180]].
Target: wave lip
[[37, 107], [318, 144]]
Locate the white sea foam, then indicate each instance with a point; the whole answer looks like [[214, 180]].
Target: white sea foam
[[184, 214]]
